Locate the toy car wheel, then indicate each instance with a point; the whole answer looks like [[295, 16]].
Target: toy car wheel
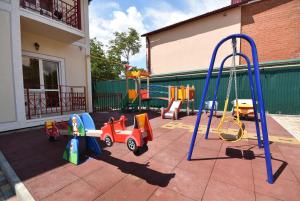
[[131, 144], [140, 150], [108, 141]]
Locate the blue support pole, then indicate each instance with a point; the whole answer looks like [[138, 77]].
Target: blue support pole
[[253, 100], [215, 96], [211, 66], [260, 101], [262, 112]]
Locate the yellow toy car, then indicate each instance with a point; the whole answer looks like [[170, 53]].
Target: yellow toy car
[[245, 108]]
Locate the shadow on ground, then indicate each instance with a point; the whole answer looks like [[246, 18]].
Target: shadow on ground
[[31, 154], [139, 170], [247, 154]]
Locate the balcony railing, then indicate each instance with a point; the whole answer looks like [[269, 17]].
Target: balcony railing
[[60, 100], [57, 10]]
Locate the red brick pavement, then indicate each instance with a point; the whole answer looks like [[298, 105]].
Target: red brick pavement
[[162, 173]]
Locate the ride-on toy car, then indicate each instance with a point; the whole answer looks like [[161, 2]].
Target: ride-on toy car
[[136, 139], [245, 108], [54, 129]]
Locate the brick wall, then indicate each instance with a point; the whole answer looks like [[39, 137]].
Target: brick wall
[[275, 27]]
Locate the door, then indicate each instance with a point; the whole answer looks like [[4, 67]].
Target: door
[[51, 85], [41, 77]]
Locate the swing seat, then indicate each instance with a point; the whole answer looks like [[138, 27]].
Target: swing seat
[[231, 134]]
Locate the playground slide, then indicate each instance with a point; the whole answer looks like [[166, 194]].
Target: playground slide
[[172, 110]]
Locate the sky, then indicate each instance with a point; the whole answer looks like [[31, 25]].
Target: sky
[[109, 16]]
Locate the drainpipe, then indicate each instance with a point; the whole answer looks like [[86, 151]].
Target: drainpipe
[[148, 54], [78, 15]]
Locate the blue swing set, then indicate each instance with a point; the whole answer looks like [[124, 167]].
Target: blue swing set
[[261, 144]]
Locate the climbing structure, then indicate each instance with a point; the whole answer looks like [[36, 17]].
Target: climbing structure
[[134, 97]]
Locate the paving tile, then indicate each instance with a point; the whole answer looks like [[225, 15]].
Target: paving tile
[[291, 154], [78, 190], [295, 170], [261, 197], [117, 150], [162, 173], [282, 189], [212, 143], [170, 156], [130, 157], [130, 188], [50, 182], [189, 183], [155, 173], [105, 178], [219, 191], [202, 160], [87, 167], [172, 135], [279, 166], [163, 194], [237, 172]]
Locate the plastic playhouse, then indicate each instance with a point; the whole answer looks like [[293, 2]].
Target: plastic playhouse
[[175, 95]]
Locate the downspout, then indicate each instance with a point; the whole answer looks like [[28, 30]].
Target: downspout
[[148, 54]]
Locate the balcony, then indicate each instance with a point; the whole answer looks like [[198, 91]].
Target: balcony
[[56, 19], [58, 100], [57, 10]]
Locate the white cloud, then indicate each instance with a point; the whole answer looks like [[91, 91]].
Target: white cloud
[[103, 28], [166, 14], [108, 17]]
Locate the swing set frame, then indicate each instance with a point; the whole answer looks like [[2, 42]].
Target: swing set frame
[[262, 143]]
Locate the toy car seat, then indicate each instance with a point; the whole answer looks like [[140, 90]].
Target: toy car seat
[[141, 122]]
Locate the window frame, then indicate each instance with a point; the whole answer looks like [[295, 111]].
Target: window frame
[[41, 57]]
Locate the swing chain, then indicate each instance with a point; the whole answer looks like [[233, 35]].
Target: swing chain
[[234, 69]]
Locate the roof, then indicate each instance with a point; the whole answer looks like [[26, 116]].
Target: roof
[[197, 17], [137, 74]]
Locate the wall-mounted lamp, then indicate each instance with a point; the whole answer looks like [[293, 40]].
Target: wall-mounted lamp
[[36, 46]]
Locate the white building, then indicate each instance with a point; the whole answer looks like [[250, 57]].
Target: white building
[[44, 61]]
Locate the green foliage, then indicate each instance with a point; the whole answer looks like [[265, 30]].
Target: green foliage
[[102, 66], [109, 65], [125, 44], [134, 68]]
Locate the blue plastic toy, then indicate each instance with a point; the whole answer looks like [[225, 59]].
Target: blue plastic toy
[[78, 127]]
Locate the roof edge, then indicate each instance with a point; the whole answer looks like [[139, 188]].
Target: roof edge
[[196, 18]]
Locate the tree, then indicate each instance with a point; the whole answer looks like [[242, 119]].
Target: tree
[[125, 44], [108, 65], [101, 67]]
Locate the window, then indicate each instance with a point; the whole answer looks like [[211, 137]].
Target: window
[[41, 75], [31, 73]]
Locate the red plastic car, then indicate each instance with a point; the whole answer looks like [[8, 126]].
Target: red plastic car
[[136, 139]]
